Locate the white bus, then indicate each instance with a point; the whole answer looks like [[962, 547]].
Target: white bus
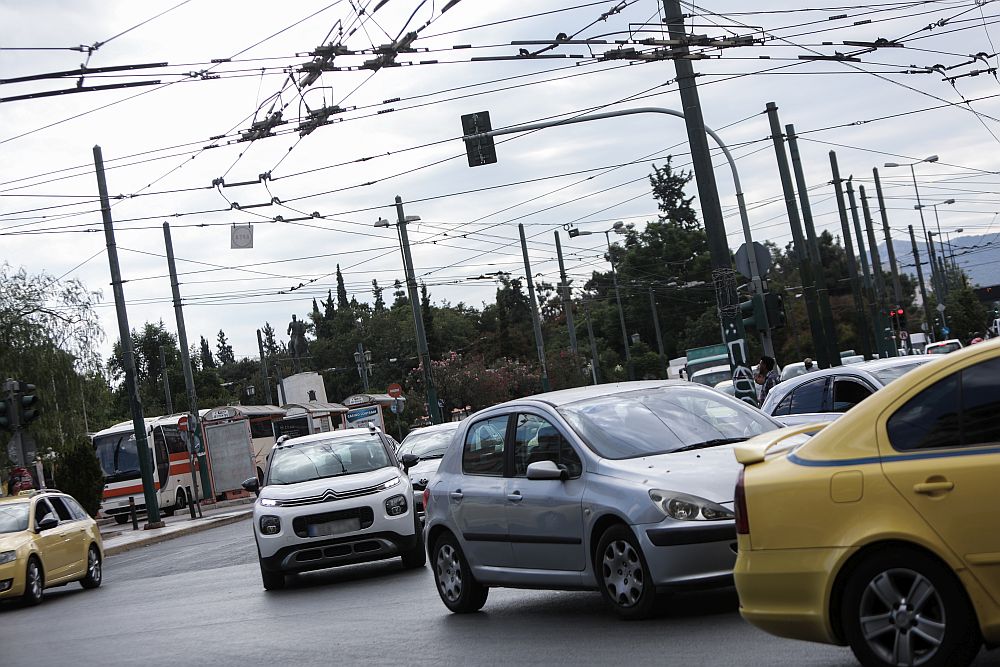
[[117, 452]]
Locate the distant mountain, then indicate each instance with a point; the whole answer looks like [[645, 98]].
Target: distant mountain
[[978, 256]]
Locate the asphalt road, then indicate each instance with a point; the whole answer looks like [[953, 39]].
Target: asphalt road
[[197, 600]]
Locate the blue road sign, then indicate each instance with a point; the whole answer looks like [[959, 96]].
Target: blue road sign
[[945, 331]]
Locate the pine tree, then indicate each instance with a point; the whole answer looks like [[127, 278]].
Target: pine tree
[[342, 301], [329, 309], [270, 344], [379, 301], [207, 361], [225, 350], [399, 294]]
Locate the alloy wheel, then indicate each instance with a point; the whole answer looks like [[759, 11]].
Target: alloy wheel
[[902, 617], [623, 574], [449, 572], [34, 582], [93, 565]]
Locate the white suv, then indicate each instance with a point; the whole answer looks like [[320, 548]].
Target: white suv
[[332, 499]]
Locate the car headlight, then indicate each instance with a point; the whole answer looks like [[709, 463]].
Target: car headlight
[[7, 556], [269, 502], [270, 525], [685, 507], [395, 506], [391, 483]]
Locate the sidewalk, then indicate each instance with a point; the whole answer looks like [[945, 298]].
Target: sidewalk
[[121, 538]]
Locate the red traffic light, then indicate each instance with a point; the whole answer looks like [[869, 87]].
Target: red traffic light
[[899, 312]]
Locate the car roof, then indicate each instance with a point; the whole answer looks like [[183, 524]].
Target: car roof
[[947, 341], [25, 497], [567, 396], [434, 428]]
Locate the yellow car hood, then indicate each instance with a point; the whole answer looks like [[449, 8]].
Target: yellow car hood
[[9, 541]]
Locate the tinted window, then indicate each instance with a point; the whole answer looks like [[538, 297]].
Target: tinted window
[[981, 403], [929, 419], [427, 445], [61, 509], [13, 517], [535, 439], [175, 441], [808, 397], [261, 428], [74, 507], [42, 510], [662, 420], [785, 406], [847, 394], [484, 447]]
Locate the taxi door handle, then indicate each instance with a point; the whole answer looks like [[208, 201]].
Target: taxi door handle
[[933, 487]]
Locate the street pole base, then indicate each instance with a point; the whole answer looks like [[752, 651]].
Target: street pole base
[[153, 524]]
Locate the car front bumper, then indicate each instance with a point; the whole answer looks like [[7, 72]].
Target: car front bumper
[[356, 548], [786, 592], [689, 555], [12, 579]]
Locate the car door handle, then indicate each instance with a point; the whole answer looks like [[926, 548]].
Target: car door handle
[[457, 495], [514, 496], [933, 487]]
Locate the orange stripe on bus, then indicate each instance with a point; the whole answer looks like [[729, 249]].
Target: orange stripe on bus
[[180, 468], [127, 490], [179, 457]]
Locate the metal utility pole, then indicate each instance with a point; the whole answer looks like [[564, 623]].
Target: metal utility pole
[[866, 272], [433, 408], [928, 322], [659, 337], [852, 263], [128, 360], [812, 245], [595, 366], [361, 358], [166, 380], [801, 254], [263, 368], [882, 321], [897, 288], [567, 299], [630, 372], [198, 462], [536, 321], [723, 274]]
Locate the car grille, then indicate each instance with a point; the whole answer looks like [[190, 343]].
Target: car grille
[[330, 495], [300, 524]]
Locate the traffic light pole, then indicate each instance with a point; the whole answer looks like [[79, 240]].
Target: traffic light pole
[[852, 262], [881, 297], [128, 360], [928, 322], [536, 322]]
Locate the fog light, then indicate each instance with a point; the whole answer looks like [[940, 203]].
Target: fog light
[[395, 506], [5, 584], [270, 525]]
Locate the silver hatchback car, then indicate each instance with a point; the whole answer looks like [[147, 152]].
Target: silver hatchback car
[[623, 488]]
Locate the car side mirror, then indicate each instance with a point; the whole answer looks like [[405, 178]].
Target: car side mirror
[[409, 460], [47, 523], [252, 485], [546, 470]]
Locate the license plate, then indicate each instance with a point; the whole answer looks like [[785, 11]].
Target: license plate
[[334, 527]]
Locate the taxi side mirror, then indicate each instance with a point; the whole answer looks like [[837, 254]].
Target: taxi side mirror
[[47, 523]]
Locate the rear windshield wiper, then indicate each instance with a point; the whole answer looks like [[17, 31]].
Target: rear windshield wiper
[[708, 443]]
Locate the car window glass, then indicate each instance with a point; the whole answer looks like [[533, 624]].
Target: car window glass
[[535, 439], [847, 394], [785, 406], [929, 419], [74, 507], [981, 403], [484, 447], [808, 397], [327, 458], [13, 517], [42, 510], [61, 509]]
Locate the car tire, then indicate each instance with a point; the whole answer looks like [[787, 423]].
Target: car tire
[[95, 568], [911, 601], [273, 581], [121, 519], [417, 556], [458, 589], [623, 575], [34, 582]]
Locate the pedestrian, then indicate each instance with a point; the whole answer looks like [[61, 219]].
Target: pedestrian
[[766, 376], [976, 339], [808, 362]]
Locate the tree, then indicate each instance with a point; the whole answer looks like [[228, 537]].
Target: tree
[[80, 474], [225, 349], [270, 344], [342, 302], [399, 295], [377, 293], [206, 355]]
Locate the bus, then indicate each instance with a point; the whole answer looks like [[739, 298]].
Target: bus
[[118, 454]]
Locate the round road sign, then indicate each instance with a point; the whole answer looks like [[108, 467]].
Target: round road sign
[[394, 390]]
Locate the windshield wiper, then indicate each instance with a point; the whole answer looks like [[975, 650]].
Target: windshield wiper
[[708, 443]]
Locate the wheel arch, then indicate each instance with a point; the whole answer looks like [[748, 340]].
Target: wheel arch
[[434, 534], [858, 557], [600, 525]]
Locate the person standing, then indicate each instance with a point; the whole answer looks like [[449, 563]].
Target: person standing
[[766, 376]]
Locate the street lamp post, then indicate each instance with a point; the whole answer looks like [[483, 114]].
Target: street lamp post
[[913, 174], [433, 409], [618, 228]]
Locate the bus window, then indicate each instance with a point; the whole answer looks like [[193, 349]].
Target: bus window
[[162, 458], [175, 442], [261, 428]]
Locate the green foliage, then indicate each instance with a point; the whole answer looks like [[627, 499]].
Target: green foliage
[[79, 474], [224, 349]]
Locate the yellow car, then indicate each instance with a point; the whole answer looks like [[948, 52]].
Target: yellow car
[[882, 530], [46, 539]]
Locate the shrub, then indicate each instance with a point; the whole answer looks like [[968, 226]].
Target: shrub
[[80, 475]]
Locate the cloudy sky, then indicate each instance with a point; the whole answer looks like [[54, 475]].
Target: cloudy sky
[[166, 144]]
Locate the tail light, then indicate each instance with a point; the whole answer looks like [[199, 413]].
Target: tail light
[[427, 498], [740, 506]]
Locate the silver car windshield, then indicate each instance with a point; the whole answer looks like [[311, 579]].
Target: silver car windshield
[[662, 420], [327, 458], [13, 517], [887, 375], [427, 445]]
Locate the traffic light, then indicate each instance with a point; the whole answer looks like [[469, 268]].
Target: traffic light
[[24, 399], [481, 150], [774, 306], [752, 312], [6, 420]]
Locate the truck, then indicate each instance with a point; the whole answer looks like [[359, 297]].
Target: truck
[[699, 358]]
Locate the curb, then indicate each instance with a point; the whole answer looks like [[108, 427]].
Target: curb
[[197, 528]]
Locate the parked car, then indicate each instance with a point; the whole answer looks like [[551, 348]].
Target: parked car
[[852, 359], [879, 531], [623, 488], [428, 444], [713, 375], [331, 499], [826, 394], [46, 540], [795, 369], [943, 346], [726, 387]]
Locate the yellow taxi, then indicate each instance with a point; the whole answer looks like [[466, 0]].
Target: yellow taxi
[[881, 531], [46, 539]]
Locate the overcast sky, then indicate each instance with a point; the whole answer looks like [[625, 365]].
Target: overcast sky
[[401, 135]]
